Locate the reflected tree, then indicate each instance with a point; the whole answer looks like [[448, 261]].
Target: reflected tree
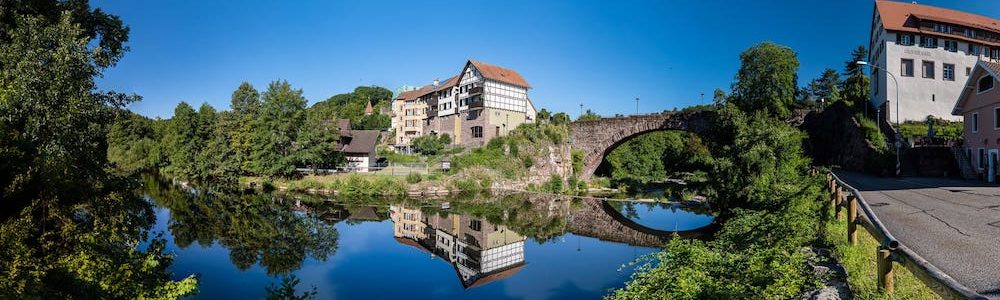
[[256, 228]]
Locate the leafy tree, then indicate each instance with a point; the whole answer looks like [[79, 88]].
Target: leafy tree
[[719, 97], [373, 122], [766, 80], [217, 162], [560, 118], [826, 87], [281, 116], [589, 116], [856, 85], [245, 100], [133, 143], [68, 228], [317, 141], [543, 116], [183, 142], [431, 144], [246, 104]]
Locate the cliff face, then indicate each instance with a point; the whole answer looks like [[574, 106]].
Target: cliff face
[[836, 138]]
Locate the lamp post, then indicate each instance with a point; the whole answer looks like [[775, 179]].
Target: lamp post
[[899, 143], [637, 106]]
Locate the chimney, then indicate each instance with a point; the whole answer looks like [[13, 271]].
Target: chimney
[[436, 82]]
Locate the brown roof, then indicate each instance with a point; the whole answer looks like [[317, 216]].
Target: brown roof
[[494, 276], [895, 16], [450, 82], [414, 94], [500, 73], [361, 141]]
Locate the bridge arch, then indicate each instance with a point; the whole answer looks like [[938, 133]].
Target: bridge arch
[[597, 138], [598, 219]]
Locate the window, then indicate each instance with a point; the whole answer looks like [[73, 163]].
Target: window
[[985, 84], [974, 49], [928, 42], [996, 118], [942, 27], [968, 70], [477, 131], [951, 45], [906, 68], [904, 39], [928, 69], [476, 225], [975, 122], [948, 72]]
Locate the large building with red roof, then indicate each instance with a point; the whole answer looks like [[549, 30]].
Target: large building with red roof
[[930, 51], [480, 102]]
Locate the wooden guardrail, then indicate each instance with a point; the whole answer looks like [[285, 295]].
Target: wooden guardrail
[[890, 250]]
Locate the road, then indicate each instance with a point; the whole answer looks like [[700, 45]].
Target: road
[[954, 224]]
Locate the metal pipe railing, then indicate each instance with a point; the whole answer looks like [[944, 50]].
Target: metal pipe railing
[[890, 249]]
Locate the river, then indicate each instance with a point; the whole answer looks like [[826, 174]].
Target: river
[[480, 247]]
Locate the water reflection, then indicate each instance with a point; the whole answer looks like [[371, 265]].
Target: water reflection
[[349, 248], [481, 251]]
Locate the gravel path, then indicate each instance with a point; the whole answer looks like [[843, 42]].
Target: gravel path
[[953, 224]]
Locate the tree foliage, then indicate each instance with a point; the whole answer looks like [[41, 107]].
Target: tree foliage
[[68, 227], [766, 80], [281, 115], [589, 116], [856, 86]]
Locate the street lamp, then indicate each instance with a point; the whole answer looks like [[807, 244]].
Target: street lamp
[[899, 144], [636, 106]]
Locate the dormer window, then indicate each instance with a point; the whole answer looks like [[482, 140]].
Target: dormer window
[[985, 84]]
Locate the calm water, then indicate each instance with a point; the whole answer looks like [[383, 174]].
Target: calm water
[[501, 247]]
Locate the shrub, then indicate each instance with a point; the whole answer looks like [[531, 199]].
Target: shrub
[[414, 178]]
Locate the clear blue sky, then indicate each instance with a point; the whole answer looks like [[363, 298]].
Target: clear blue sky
[[601, 54]]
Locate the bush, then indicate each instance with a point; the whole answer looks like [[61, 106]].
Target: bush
[[414, 178]]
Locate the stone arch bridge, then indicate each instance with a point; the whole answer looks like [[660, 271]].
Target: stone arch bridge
[[598, 219], [597, 138]]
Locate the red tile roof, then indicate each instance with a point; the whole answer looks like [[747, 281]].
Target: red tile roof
[[895, 16], [450, 82], [414, 94], [500, 73]]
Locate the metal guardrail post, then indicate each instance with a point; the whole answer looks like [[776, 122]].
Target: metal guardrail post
[[852, 219]]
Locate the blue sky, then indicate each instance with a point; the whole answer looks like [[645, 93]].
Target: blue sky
[[602, 54]]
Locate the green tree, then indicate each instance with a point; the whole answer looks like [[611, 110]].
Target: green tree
[[245, 100], [217, 162], [826, 87], [133, 143], [281, 116], [373, 122], [856, 86], [317, 142], [543, 116], [719, 97], [560, 118], [431, 144], [589, 116], [766, 80], [183, 142], [68, 228]]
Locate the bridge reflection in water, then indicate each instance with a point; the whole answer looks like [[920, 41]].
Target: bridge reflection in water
[[482, 252]]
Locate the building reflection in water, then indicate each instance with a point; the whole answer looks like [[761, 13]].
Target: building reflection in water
[[481, 252]]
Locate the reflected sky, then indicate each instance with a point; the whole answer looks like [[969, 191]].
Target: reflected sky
[[381, 254]]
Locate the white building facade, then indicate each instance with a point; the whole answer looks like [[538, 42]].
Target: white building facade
[[931, 51]]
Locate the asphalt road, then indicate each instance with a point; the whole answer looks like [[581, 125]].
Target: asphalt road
[[954, 224]]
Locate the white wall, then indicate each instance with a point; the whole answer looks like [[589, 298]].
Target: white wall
[[920, 97]]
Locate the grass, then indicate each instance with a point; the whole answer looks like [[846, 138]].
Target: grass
[[942, 129], [860, 262]]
